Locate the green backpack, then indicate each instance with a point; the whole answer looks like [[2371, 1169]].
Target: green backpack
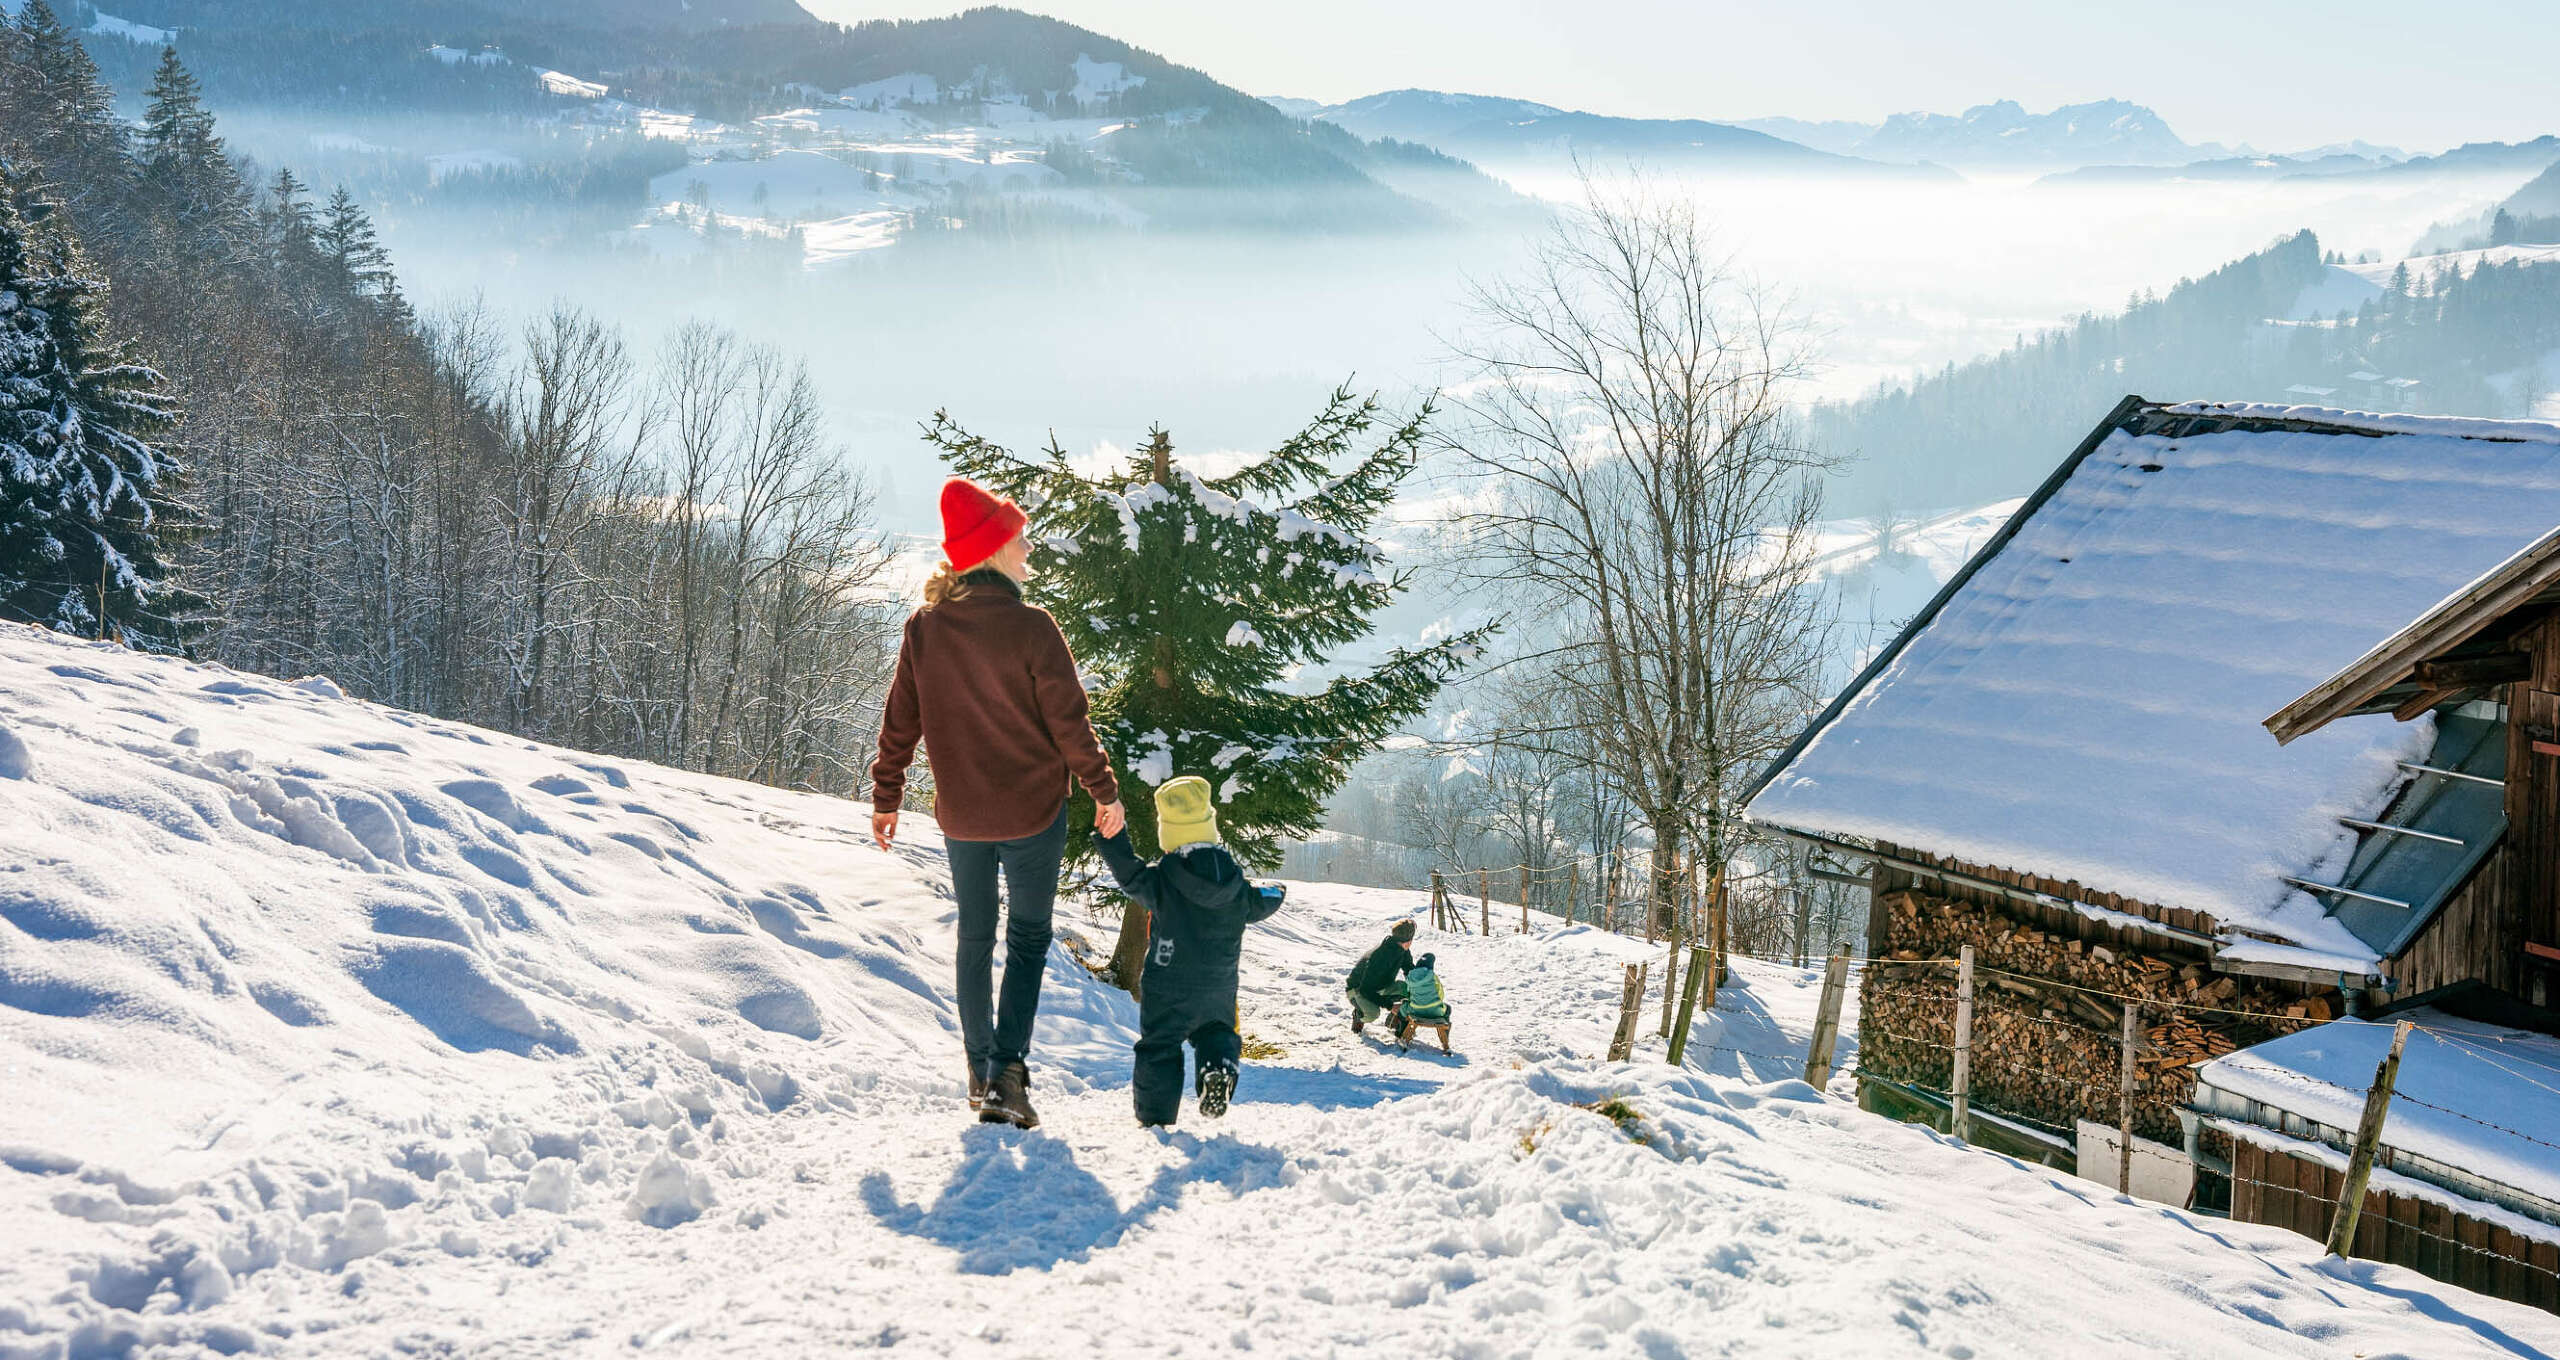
[[1422, 994]]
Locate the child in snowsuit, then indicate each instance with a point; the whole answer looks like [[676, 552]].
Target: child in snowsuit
[[1425, 1004], [1377, 980], [1199, 904]]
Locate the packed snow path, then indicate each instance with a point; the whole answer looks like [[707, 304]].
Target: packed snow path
[[328, 1030]]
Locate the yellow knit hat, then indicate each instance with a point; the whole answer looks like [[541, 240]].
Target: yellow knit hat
[[1183, 813]]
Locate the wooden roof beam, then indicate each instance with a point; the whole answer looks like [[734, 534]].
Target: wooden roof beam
[[2468, 672]]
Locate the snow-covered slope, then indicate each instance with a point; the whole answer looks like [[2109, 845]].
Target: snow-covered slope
[[329, 1030]]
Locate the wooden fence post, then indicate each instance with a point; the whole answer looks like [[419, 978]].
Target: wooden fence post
[[1439, 903], [1960, 1120], [2124, 1099], [1572, 889], [2377, 1103], [1689, 1003], [1622, 1045], [1484, 902], [1826, 1023], [1524, 899]]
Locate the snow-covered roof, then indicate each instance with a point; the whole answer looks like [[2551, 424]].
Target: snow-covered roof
[[2477, 1098], [2526, 578], [2083, 701]]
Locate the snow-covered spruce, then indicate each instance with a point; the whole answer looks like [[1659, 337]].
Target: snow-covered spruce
[[1191, 602], [330, 1030], [83, 490]]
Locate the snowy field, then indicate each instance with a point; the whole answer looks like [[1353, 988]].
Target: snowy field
[[329, 1030]]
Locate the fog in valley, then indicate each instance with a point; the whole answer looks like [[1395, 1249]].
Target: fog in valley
[[1229, 337]]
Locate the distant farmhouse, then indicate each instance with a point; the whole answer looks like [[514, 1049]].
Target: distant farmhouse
[[2249, 717]]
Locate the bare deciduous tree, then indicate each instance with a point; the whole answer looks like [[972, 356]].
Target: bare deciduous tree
[[1645, 496]]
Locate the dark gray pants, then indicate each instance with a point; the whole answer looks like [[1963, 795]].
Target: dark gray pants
[[1030, 869]]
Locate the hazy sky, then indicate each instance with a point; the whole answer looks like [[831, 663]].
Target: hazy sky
[[2280, 74]]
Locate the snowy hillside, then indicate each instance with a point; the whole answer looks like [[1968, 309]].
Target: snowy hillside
[[330, 1030]]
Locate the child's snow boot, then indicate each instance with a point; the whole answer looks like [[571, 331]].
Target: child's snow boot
[[1217, 1087]]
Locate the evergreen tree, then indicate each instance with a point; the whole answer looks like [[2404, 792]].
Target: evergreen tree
[[347, 238], [1191, 603], [293, 238], [85, 497], [197, 191], [54, 103]]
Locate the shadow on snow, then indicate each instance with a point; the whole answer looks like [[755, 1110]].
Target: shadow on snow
[[1020, 1201]]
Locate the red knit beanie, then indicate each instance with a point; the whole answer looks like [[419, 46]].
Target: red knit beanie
[[975, 523]]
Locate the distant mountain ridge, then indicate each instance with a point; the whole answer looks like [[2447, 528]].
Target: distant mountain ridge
[[2469, 158], [2003, 133], [1500, 130], [344, 15], [994, 119]]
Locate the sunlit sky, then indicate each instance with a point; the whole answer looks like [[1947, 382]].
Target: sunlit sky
[[2278, 74]]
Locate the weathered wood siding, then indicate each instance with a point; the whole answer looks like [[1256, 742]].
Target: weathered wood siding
[[2477, 935], [2533, 812], [2273, 1187]]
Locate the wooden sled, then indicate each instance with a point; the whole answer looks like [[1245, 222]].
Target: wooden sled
[[1406, 1026]]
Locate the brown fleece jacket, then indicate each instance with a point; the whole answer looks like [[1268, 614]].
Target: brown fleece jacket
[[987, 683]]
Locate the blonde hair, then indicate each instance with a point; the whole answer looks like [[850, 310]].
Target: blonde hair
[[944, 586]]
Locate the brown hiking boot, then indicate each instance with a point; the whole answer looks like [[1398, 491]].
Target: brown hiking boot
[[1009, 1099], [977, 1088]]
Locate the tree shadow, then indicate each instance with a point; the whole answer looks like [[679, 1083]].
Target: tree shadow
[[1020, 1202], [1749, 1043], [2426, 1303], [1328, 1089]]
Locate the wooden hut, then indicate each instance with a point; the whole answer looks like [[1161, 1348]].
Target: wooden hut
[[2065, 761]]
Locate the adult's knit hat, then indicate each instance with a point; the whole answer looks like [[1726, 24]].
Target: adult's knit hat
[[1403, 930], [1183, 814], [976, 522]]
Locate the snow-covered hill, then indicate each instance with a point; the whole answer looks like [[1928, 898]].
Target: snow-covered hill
[[330, 1030]]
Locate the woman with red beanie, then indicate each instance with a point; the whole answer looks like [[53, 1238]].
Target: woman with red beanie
[[985, 681]]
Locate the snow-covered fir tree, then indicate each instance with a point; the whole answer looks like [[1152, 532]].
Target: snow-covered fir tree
[[1194, 602], [85, 496]]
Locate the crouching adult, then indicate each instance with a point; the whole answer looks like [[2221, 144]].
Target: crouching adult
[[1377, 980]]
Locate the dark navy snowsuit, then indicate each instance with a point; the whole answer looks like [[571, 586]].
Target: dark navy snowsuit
[[1199, 904]]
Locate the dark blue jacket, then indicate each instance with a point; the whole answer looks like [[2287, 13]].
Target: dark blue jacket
[[1200, 904]]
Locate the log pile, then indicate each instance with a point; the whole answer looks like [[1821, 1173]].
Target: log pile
[[2047, 1021]]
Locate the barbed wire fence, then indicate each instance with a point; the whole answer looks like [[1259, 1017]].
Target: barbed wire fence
[[2273, 1177]]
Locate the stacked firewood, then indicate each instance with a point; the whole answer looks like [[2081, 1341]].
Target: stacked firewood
[[2048, 1016]]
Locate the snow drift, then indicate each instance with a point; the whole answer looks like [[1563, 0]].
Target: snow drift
[[330, 1030]]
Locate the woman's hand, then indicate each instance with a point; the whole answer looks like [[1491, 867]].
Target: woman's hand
[[884, 828], [1107, 819]]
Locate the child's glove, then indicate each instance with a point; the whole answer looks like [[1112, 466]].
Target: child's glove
[[1272, 893]]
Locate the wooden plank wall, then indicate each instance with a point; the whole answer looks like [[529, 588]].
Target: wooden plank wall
[[2533, 804], [2477, 935], [2281, 1190]]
